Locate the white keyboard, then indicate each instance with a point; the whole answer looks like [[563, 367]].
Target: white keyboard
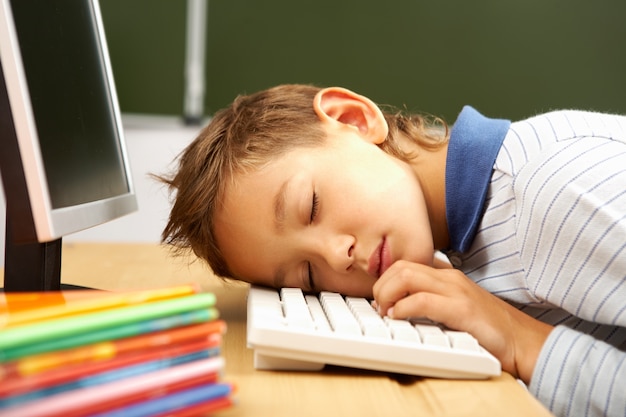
[[292, 331]]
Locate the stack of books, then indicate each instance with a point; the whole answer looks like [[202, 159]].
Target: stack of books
[[87, 352]]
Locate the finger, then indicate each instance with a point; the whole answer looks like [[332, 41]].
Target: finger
[[405, 279], [434, 307], [421, 304]]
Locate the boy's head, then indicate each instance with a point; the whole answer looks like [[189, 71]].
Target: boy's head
[[251, 134], [243, 137]]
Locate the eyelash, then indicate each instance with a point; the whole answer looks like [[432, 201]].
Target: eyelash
[[314, 206], [314, 209], [310, 272]]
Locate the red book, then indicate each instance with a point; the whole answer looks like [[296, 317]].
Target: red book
[[101, 351]]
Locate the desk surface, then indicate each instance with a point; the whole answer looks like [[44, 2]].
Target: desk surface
[[334, 391]]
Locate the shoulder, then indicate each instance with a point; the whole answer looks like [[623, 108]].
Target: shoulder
[[544, 137], [570, 213], [568, 124]]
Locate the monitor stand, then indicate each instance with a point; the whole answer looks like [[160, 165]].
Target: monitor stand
[[31, 266]]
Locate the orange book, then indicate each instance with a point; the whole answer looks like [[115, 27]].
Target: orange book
[[28, 307]]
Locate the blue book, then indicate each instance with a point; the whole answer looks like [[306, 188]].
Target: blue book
[[172, 402]]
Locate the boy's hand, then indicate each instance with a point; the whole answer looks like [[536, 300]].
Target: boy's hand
[[447, 296]]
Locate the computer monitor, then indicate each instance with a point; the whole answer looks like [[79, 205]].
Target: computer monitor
[[62, 154]]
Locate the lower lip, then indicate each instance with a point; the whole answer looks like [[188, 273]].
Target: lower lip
[[382, 259]]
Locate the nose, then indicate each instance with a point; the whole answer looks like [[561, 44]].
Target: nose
[[338, 251]]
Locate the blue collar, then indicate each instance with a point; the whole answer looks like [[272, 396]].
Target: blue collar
[[475, 141]]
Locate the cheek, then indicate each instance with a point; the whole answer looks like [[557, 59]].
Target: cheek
[[362, 184], [383, 179]]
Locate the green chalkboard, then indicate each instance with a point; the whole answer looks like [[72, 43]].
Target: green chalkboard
[[508, 59]]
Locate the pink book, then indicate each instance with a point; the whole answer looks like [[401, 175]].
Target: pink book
[[88, 400]]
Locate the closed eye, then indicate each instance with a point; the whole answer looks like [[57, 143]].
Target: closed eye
[[314, 211], [314, 206]]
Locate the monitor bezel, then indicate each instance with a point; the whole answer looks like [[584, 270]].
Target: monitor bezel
[[50, 223]]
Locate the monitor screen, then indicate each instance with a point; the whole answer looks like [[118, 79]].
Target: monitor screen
[[63, 162], [70, 99], [65, 112]]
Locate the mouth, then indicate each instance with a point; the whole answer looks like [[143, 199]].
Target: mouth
[[379, 260]]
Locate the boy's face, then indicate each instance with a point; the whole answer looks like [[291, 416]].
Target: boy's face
[[334, 217]]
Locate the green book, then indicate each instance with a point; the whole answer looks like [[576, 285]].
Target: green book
[[110, 333], [65, 327]]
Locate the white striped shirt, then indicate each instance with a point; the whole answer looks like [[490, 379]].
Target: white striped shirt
[[552, 240]]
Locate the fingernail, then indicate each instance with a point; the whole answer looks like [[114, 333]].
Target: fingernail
[[390, 312]]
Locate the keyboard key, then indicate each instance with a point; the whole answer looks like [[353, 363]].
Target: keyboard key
[[295, 308], [432, 335], [339, 315], [317, 312], [462, 340], [371, 323], [267, 308], [403, 330]]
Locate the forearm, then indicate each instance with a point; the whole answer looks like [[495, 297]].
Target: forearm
[[576, 374]]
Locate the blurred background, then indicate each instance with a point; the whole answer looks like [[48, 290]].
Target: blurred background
[[508, 59]]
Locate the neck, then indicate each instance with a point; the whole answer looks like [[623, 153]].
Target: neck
[[430, 168]]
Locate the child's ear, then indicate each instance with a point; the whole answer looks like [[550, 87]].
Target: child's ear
[[339, 105]]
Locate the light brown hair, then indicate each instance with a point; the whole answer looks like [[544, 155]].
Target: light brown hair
[[254, 130]]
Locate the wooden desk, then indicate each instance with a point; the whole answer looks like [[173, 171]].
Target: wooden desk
[[332, 392]]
